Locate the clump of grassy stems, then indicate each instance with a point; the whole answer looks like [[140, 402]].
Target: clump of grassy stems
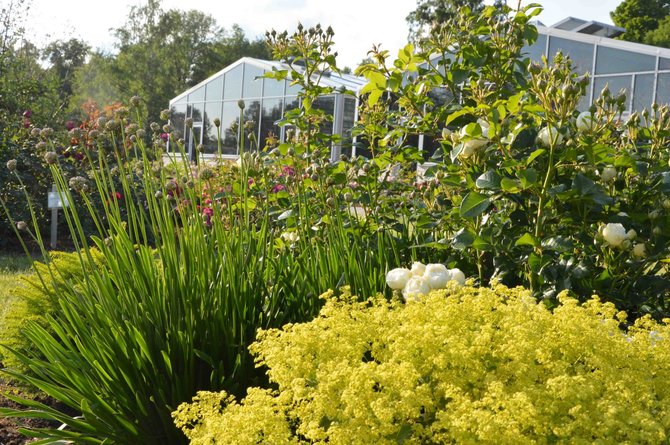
[[175, 302]]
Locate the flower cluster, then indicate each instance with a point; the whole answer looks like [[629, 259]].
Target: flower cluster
[[422, 278], [464, 365]]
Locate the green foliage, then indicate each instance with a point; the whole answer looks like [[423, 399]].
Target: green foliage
[[522, 185], [640, 18], [33, 301], [465, 365]]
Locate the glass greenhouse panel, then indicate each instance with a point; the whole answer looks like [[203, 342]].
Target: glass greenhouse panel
[[616, 84], [348, 117], [252, 114], [215, 89], [232, 85], [537, 49], [271, 113], [580, 53], [326, 104], [197, 95], [611, 60], [273, 88], [292, 90], [585, 100], [197, 112], [209, 130], [230, 117], [664, 64], [663, 89], [253, 81], [177, 120], [644, 92]]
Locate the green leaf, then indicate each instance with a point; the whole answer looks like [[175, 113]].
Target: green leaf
[[527, 240], [534, 155], [463, 239], [510, 185], [558, 244], [474, 205], [489, 180], [528, 177], [456, 114]]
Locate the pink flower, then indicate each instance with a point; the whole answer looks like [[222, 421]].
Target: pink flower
[[278, 188], [165, 137], [69, 125], [27, 114], [287, 171], [251, 181]]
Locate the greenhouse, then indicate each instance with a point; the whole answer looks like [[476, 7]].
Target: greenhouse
[[265, 102], [642, 70]]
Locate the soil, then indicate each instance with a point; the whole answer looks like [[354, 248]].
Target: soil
[[9, 427]]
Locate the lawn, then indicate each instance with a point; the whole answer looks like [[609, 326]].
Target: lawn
[[11, 267]]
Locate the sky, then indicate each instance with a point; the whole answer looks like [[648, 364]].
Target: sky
[[358, 24]]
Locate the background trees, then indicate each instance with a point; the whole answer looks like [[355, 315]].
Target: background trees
[[646, 21]]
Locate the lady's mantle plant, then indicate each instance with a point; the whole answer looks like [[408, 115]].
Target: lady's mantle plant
[[464, 365]]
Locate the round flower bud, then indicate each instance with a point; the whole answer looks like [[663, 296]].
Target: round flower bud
[[666, 204], [348, 197], [141, 133], [330, 201], [657, 231], [585, 121], [189, 122], [155, 127], [112, 125], [46, 132], [78, 184], [654, 214], [200, 148], [35, 132], [41, 145], [240, 104], [484, 126], [614, 234], [217, 122], [93, 134], [158, 194], [397, 278], [165, 115], [135, 101], [639, 250], [608, 174], [436, 276], [50, 157], [415, 288], [631, 234], [11, 165], [22, 226], [549, 136], [418, 268], [206, 174]]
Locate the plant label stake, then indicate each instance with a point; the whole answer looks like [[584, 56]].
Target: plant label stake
[[54, 203]]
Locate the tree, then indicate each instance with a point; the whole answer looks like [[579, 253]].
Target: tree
[[640, 17], [661, 35], [428, 13], [64, 58], [162, 53]]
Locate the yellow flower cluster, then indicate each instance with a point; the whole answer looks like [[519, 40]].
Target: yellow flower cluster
[[465, 365]]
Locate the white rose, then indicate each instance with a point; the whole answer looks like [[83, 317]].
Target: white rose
[[470, 146], [608, 174], [639, 250], [548, 135], [415, 288], [614, 234], [418, 268], [457, 275], [585, 121], [397, 278], [436, 276]]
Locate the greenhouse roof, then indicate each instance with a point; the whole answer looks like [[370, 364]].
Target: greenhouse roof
[[328, 79]]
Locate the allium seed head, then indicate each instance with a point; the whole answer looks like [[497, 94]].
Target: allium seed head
[[22, 226], [50, 157]]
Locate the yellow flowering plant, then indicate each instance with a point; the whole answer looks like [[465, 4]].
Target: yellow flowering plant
[[463, 365]]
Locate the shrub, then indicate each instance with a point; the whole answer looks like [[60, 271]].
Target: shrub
[[465, 365], [33, 301]]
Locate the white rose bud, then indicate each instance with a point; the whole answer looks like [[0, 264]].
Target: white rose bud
[[458, 276], [549, 135], [666, 204], [585, 121], [608, 174], [639, 250], [436, 276], [418, 268], [485, 127], [631, 234], [614, 234], [416, 288], [397, 278]]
